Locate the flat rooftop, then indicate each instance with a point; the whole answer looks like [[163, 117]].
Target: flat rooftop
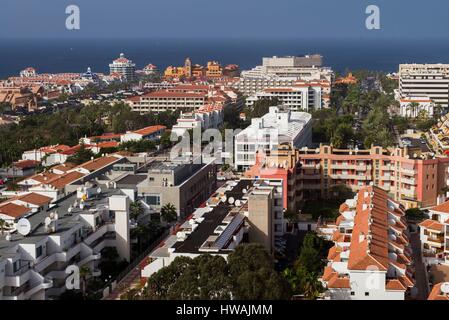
[[66, 219]]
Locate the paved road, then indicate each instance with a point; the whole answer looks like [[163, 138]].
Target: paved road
[[420, 270]]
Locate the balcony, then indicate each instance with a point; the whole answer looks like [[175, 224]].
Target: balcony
[[408, 171], [408, 181]]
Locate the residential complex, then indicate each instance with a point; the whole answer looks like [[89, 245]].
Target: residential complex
[[434, 235], [413, 107], [267, 132], [251, 207], [425, 80], [67, 230], [409, 177], [371, 257], [123, 67]]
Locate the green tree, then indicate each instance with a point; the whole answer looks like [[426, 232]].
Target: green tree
[[82, 155], [4, 226], [135, 209], [168, 213]]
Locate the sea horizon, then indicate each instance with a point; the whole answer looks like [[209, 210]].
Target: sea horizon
[[76, 55]]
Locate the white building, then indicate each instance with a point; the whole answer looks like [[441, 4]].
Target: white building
[[412, 107], [301, 95], [71, 233], [371, 258], [432, 80], [149, 133], [204, 118], [124, 67], [239, 207], [267, 132], [434, 235]]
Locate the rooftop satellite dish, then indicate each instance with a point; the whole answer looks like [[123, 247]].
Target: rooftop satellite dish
[[231, 200], [24, 226], [244, 191], [99, 190], [47, 221], [52, 215], [237, 203], [8, 237], [445, 287]]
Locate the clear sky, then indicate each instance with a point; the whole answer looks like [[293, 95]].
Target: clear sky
[[224, 19]]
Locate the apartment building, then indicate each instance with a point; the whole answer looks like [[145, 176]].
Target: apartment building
[[371, 256], [434, 235], [165, 100], [124, 67], [239, 210], [69, 231], [438, 135], [205, 118], [302, 95], [410, 178], [183, 184], [425, 80], [266, 133]]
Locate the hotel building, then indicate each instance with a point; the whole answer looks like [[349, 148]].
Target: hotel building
[[267, 132], [302, 95], [123, 67], [425, 80], [282, 71], [371, 256]]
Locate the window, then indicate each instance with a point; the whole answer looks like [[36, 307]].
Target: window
[[154, 200], [366, 294], [38, 251], [352, 293], [16, 266]]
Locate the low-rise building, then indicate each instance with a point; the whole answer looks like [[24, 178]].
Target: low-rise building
[[184, 185], [434, 235], [413, 107], [148, 133], [371, 257], [218, 226]]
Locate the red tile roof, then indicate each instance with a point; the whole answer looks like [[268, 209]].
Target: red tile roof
[[35, 198], [149, 130], [14, 210]]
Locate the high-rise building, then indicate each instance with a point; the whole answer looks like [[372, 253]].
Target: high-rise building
[[124, 67], [425, 80]]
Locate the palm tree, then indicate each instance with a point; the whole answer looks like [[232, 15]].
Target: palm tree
[[4, 226], [168, 213], [135, 209], [84, 273], [312, 286]]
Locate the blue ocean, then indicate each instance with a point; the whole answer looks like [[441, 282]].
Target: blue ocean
[[77, 55]]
